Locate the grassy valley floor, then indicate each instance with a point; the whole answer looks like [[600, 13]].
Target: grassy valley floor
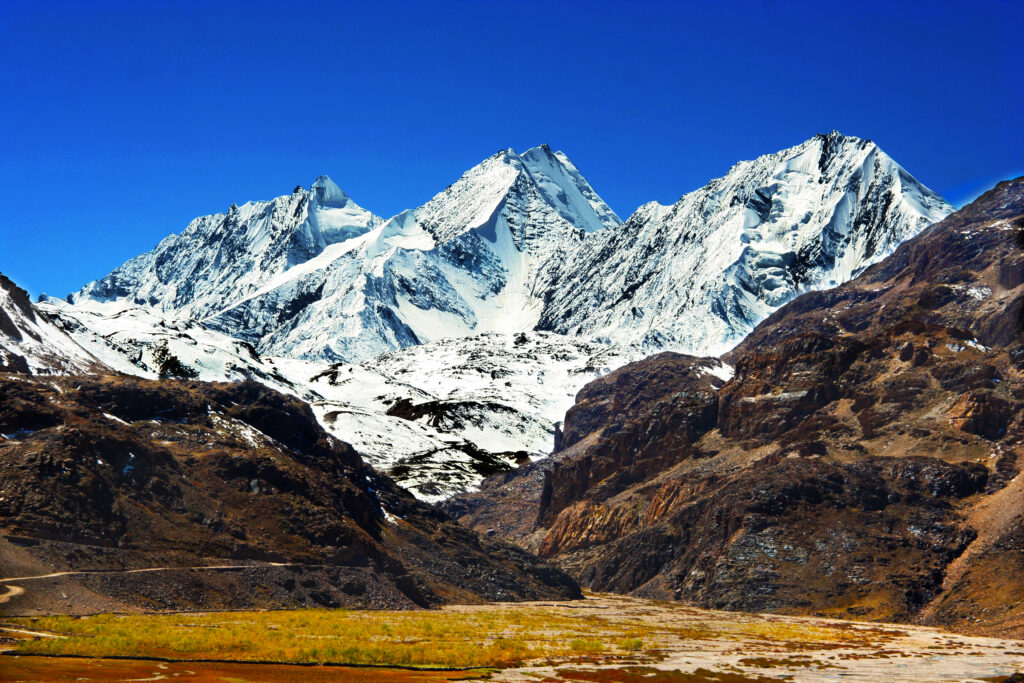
[[604, 638]]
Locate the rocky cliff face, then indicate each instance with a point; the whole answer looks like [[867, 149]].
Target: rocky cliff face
[[106, 474], [864, 459]]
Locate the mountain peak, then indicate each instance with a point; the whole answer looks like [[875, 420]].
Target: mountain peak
[[523, 239], [507, 154], [835, 138], [543, 148], [835, 144], [220, 258], [567, 189], [326, 191], [836, 135], [807, 217]]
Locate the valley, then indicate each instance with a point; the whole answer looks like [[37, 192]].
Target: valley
[[771, 432], [512, 342]]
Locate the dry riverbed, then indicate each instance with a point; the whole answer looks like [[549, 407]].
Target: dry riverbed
[[603, 638]]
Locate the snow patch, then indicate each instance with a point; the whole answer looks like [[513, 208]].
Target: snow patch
[[979, 293]]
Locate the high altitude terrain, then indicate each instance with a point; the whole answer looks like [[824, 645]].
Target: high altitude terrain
[[863, 461], [523, 242], [854, 452], [457, 333]]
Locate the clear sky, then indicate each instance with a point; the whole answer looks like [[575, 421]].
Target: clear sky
[[121, 121]]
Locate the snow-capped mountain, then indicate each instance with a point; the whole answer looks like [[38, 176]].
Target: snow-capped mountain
[[221, 258], [473, 259], [31, 344], [446, 342], [522, 242], [699, 275]]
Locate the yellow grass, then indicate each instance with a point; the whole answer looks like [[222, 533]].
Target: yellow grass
[[496, 636], [416, 638], [622, 636], [631, 644]]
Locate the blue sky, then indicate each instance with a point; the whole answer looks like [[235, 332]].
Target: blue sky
[[122, 121]]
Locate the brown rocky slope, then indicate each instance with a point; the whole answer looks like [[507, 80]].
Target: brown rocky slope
[[863, 461], [104, 475]]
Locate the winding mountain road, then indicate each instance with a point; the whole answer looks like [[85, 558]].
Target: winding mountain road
[[14, 591], [145, 569]]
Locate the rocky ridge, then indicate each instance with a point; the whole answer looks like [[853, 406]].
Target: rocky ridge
[[102, 475]]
